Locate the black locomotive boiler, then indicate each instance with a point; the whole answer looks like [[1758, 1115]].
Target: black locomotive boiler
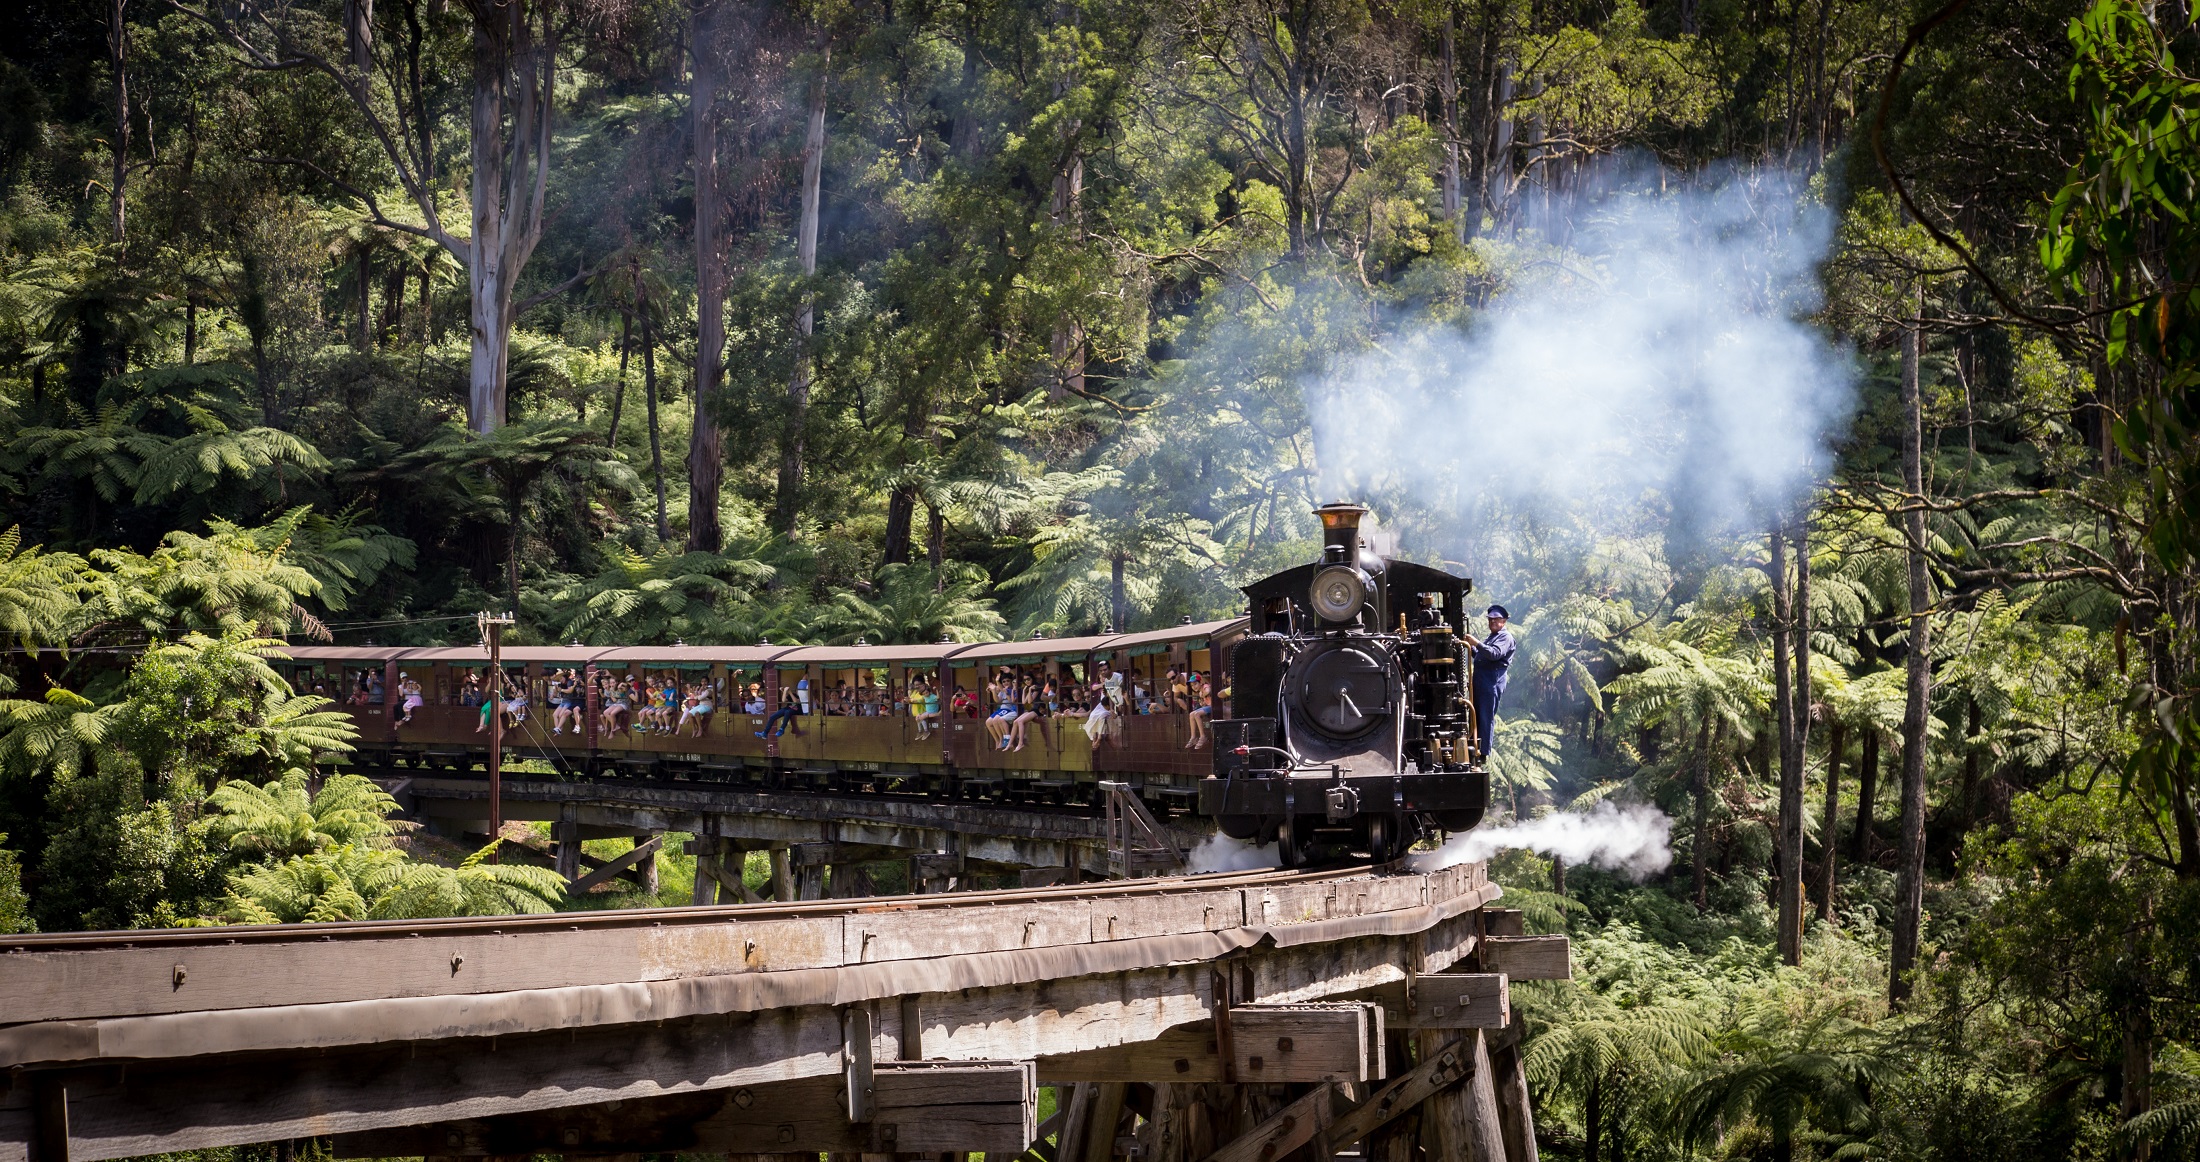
[[1350, 726]]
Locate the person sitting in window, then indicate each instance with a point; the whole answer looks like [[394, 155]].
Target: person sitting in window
[[783, 717], [409, 691], [1202, 710], [617, 714]]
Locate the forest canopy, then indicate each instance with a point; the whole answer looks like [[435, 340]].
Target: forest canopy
[[1816, 382]]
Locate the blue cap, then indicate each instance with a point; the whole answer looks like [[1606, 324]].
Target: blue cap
[[1498, 611]]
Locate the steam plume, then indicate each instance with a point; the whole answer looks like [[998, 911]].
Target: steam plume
[[1220, 853], [1659, 369], [1634, 841]]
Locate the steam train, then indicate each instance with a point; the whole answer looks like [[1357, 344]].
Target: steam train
[[1346, 723], [1350, 724]]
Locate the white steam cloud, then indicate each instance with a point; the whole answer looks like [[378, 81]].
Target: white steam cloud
[[1658, 366], [1220, 853], [1635, 841]]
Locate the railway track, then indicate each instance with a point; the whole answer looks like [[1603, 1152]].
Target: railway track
[[663, 918]]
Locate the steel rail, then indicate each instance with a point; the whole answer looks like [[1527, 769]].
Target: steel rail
[[658, 917]]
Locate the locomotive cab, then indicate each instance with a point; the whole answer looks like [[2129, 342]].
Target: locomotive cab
[[1350, 726]]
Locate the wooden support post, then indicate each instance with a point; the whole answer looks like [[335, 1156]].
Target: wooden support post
[[856, 1052], [782, 880], [1463, 1118], [1071, 1144], [809, 869], [50, 1121], [1107, 1110], [650, 886], [1515, 1120], [705, 850], [569, 842]]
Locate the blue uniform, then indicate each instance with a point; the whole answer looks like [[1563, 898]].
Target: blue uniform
[[1491, 661]]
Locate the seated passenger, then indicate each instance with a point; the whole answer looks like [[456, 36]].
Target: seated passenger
[[1202, 710], [617, 713]]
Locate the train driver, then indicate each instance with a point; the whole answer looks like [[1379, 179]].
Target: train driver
[[1493, 655]]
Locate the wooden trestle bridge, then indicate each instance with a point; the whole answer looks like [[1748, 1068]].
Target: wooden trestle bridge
[[1236, 1017]]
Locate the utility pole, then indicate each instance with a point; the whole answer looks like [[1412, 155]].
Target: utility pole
[[492, 635]]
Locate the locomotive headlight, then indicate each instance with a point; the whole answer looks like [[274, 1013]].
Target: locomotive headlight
[[1338, 593]]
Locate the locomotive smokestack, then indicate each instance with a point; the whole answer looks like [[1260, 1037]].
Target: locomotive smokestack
[[1341, 530]]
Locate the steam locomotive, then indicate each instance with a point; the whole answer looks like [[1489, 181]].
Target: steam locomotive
[[1350, 723]]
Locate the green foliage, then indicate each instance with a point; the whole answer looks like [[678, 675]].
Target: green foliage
[[280, 819], [913, 604], [15, 907], [357, 882]]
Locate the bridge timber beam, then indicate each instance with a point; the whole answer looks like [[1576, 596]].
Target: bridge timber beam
[[156, 1042], [989, 836]]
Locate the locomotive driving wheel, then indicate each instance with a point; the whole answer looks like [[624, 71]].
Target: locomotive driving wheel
[[1294, 839], [1386, 838]]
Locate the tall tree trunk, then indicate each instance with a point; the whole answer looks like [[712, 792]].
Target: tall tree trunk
[[1700, 836], [1066, 208], [706, 444], [1966, 811], [2138, 1027], [1788, 843], [618, 393], [1829, 832], [118, 43], [366, 304], [1917, 707], [1119, 602], [935, 545], [515, 79], [1867, 794], [1497, 168], [965, 129], [393, 304], [649, 395], [1801, 623], [190, 329], [1592, 1121], [789, 504], [1450, 83], [901, 514]]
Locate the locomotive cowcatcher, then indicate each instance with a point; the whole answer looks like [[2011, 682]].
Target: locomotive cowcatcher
[[1350, 724]]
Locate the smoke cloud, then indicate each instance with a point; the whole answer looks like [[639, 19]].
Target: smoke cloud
[[1657, 367], [1220, 853], [1635, 841]]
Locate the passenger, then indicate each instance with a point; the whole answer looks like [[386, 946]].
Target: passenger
[[1030, 709], [1202, 710], [783, 717], [469, 692], [700, 705], [515, 705], [755, 704], [927, 706], [1100, 723], [802, 695], [1005, 710], [962, 704], [408, 690], [565, 702], [617, 714], [374, 687]]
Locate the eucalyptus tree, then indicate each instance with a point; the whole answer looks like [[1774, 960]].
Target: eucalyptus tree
[[377, 63]]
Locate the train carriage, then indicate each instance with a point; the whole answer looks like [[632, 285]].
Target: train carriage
[[855, 732]]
